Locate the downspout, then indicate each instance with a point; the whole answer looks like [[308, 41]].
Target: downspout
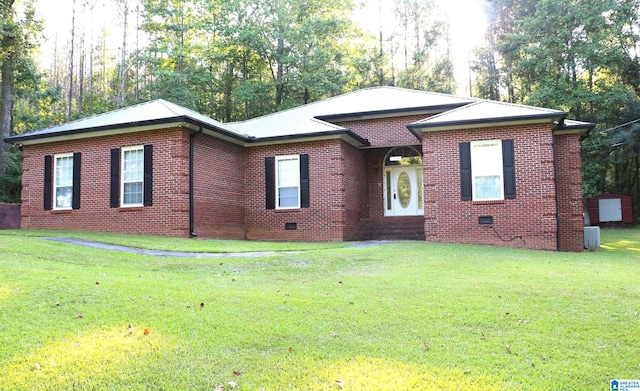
[[192, 136], [555, 183]]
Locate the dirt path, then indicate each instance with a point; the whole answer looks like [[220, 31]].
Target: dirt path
[[184, 254]]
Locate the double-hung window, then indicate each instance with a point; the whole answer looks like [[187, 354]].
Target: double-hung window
[[487, 170], [63, 181], [132, 176], [288, 181]]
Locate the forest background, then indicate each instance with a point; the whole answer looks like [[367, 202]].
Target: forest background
[[238, 59]]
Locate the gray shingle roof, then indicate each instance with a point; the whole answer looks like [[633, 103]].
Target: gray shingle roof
[[485, 111], [150, 113], [315, 119], [310, 118]]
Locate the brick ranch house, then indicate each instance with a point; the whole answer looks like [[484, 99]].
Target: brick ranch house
[[372, 164]]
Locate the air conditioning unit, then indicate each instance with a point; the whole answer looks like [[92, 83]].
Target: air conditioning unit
[[591, 238]]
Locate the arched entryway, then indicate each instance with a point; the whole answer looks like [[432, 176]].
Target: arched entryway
[[403, 182]]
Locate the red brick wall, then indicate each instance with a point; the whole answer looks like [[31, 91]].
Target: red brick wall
[[385, 131], [219, 191], [376, 191], [355, 185], [570, 207], [527, 221], [169, 214], [324, 220]]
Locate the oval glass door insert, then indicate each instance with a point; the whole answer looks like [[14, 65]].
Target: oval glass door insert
[[404, 190]]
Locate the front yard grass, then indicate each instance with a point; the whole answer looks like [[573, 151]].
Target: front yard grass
[[180, 244], [402, 315]]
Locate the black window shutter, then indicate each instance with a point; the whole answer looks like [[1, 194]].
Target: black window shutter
[[75, 197], [304, 181], [270, 181], [148, 175], [509, 172], [115, 178], [48, 182], [465, 171]]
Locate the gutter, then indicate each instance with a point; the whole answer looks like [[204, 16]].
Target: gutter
[[555, 183], [425, 126], [192, 136]]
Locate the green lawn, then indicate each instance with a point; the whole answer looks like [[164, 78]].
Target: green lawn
[[404, 315]]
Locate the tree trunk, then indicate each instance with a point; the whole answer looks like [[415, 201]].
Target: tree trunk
[[7, 105], [122, 85], [73, 33], [280, 71], [7, 45], [80, 97], [137, 89], [381, 54]]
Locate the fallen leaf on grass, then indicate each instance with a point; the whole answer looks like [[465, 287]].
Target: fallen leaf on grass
[[146, 331], [237, 373]]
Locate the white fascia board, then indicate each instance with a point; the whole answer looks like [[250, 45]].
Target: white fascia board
[[102, 133]]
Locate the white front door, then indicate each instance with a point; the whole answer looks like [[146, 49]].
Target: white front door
[[403, 191]]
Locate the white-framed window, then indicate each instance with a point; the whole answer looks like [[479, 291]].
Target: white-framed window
[[287, 182], [132, 187], [487, 170], [63, 181]]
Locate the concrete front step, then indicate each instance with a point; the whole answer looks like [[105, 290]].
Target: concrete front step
[[391, 228]]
